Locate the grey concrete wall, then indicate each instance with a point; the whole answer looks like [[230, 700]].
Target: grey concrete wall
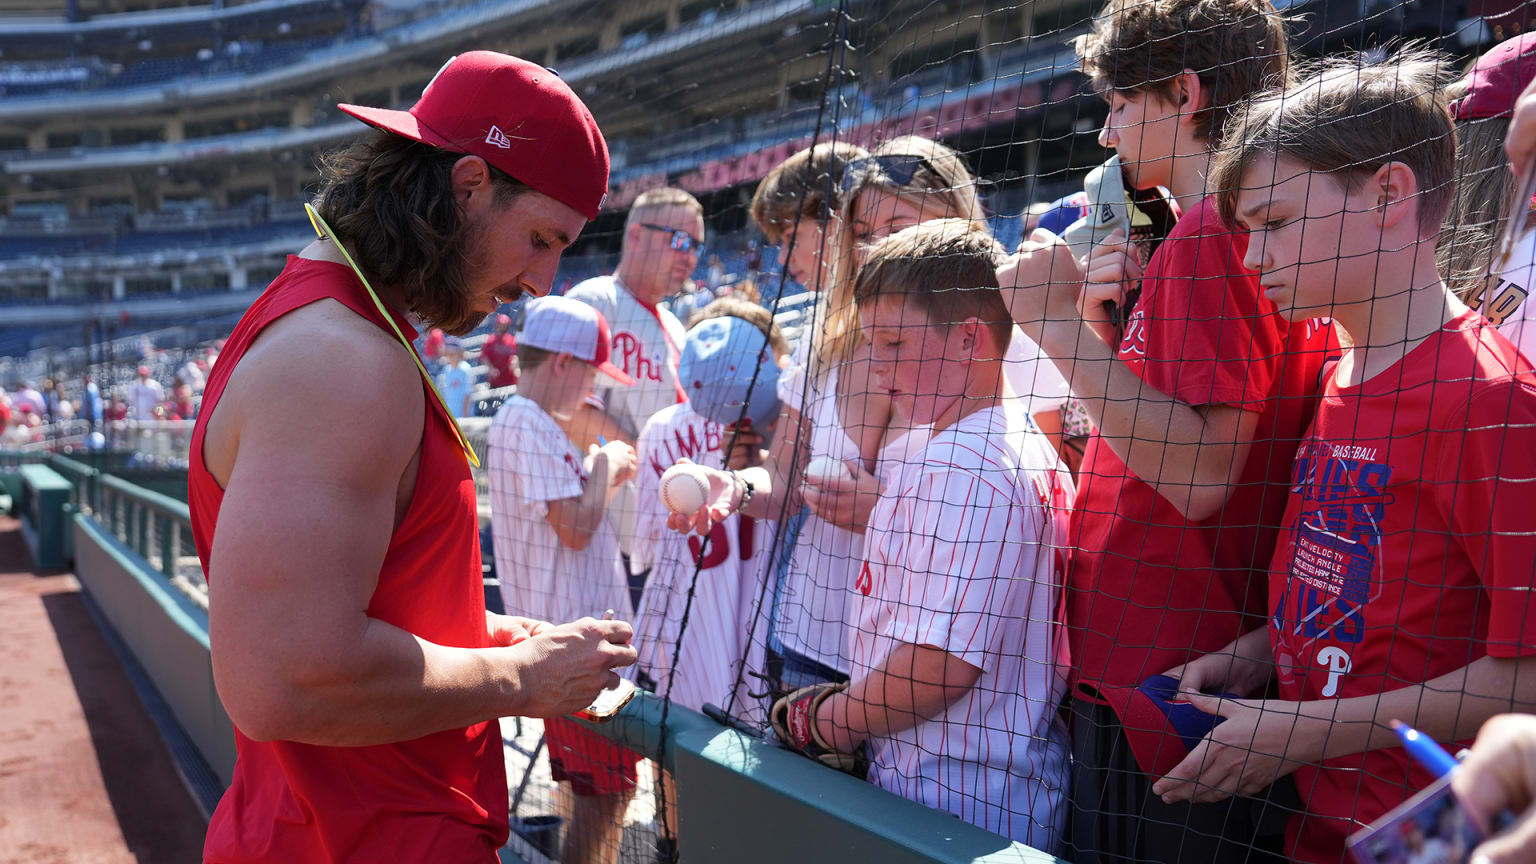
[[166, 633]]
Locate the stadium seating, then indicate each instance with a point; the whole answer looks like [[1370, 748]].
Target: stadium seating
[[139, 242]]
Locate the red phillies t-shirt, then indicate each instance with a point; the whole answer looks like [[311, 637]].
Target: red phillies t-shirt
[[1406, 553], [498, 352], [1147, 589]]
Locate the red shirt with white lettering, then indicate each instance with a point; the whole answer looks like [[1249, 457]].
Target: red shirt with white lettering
[[1407, 551], [1148, 589]]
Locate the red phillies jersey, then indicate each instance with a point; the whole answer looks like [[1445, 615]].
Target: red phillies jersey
[[497, 352], [1147, 589], [1406, 553], [438, 798]]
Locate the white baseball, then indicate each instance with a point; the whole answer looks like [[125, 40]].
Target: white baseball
[[684, 488], [823, 469]]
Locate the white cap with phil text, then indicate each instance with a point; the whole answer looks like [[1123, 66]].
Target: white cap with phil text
[[567, 326]]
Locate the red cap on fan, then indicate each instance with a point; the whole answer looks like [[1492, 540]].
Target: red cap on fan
[[517, 116], [1497, 78]]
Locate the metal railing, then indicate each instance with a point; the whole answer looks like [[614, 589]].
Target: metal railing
[[85, 480], [157, 528], [158, 441], [12, 458]]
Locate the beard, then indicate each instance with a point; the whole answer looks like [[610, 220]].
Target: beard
[[449, 300]]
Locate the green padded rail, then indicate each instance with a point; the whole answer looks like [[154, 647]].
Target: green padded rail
[[164, 630], [44, 499], [10, 477], [741, 799]]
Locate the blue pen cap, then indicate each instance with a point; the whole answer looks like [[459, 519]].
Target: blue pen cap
[[1425, 750], [718, 364]]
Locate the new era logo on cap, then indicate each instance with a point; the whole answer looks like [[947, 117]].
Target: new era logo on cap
[[517, 116]]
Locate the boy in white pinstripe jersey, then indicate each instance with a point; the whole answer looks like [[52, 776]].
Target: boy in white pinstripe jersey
[[556, 554], [953, 640]]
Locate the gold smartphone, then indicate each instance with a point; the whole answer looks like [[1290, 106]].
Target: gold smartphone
[[609, 701]]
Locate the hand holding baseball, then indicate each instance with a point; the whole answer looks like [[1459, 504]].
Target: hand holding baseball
[[720, 500], [842, 493], [684, 488]]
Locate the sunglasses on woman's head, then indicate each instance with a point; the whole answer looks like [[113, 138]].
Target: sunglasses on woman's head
[[682, 241], [899, 169]]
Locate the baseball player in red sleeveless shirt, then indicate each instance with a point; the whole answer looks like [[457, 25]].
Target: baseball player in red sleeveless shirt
[[350, 641]]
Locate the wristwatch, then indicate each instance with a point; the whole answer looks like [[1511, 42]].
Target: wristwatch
[[747, 491]]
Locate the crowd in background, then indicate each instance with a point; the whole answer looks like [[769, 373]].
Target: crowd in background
[[166, 384]]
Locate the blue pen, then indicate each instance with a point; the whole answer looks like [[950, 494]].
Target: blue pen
[[601, 441], [1424, 750]]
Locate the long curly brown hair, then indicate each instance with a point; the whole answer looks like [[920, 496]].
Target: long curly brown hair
[[390, 201]]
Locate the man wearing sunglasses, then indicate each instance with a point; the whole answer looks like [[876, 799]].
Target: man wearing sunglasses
[[662, 241]]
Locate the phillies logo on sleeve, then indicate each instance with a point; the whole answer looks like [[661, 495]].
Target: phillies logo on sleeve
[[1133, 348], [865, 581], [629, 354]]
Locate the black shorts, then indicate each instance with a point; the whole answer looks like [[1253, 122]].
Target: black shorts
[[1117, 820]]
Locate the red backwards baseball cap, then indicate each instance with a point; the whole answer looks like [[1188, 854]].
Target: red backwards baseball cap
[[517, 116], [1497, 78], [565, 325], [1160, 728]]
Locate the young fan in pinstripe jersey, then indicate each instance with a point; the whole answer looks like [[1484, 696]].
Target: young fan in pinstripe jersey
[[952, 635]]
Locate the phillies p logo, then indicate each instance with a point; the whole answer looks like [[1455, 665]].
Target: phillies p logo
[[865, 583], [1337, 661]]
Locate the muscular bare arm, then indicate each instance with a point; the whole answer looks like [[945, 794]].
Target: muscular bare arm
[[308, 512]]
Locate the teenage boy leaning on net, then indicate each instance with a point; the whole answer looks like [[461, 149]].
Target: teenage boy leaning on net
[[1197, 400], [1400, 589]]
